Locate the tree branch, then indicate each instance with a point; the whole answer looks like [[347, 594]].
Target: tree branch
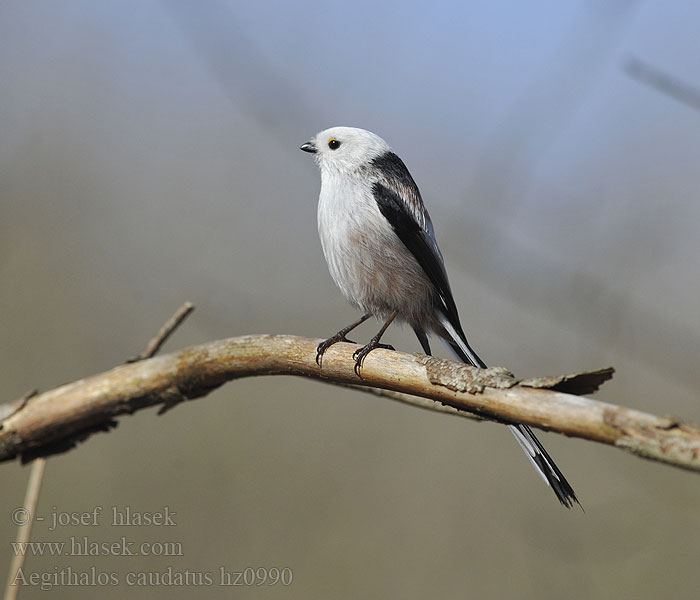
[[55, 420]]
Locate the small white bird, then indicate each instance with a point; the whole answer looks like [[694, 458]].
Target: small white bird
[[381, 251]]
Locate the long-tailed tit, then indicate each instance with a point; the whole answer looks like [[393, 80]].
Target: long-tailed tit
[[382, 253]]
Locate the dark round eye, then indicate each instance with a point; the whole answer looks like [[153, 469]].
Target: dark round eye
[[333, 144]]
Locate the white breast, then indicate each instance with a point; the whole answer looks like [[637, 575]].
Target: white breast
[[366, 259]]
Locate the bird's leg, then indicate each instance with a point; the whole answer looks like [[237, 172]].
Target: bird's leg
[[338, 337], [361, 354]]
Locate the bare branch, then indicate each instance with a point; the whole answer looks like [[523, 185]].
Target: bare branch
[[55, 420]]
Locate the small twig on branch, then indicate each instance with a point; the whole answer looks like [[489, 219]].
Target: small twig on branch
[[158, 340], [168, 327], [10, 408], [54, 420]]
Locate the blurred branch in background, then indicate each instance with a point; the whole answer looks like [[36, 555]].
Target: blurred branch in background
[[663, 82], [26, 519], [538, 116], [55, 420]]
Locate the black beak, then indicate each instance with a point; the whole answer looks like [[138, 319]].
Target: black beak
[[308, 147]]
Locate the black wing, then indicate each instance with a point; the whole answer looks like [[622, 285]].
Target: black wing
[[399, 200]]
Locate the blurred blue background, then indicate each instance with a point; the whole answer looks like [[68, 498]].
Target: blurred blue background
[[149, 155]]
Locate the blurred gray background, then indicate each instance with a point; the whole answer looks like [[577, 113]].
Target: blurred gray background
[[149, 155]]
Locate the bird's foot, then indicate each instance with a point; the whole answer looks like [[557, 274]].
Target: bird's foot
[[323, 346], [361, 354]]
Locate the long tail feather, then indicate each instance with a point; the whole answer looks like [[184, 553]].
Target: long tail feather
[[458, 343], [532, 447], [544, 464]]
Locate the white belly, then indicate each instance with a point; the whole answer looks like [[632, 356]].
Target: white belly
[[367, 260]]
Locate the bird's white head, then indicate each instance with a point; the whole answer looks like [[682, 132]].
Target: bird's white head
[[344, 150]]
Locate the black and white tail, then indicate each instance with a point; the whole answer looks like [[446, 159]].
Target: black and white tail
[[532, 447]]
